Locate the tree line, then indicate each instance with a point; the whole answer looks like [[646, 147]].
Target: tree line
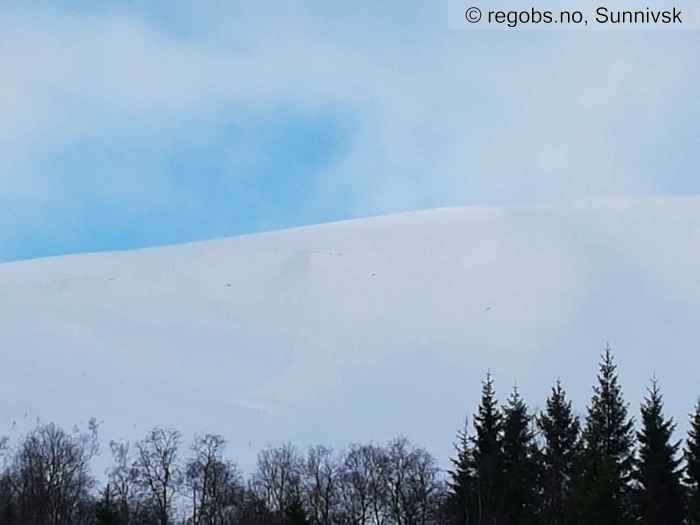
[[511, 466]]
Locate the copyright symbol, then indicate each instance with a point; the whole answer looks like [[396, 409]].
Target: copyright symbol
[[473, 15]]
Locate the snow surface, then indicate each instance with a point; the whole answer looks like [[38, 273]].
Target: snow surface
[[354, 331]]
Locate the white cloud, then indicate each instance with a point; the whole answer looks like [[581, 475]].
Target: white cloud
[[446, 117]]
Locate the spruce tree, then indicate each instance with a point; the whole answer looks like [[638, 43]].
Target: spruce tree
[[692, 469], [295, 513], [561, 453], [106, 510], [604, 495], [488, 456], [520, 463], [461, 481], [658, 473]]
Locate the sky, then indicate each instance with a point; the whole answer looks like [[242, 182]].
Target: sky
[[131, 124]]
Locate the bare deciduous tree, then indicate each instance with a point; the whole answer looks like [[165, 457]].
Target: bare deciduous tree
[[48, 483], [322, 480], [278, 476], [364, 494], [214, 483], [377, 467], [413, 484], [50, 476], [158, 469], [355, 486], [124, 481]]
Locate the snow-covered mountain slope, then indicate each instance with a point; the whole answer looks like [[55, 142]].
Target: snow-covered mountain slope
[[358, 330]]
